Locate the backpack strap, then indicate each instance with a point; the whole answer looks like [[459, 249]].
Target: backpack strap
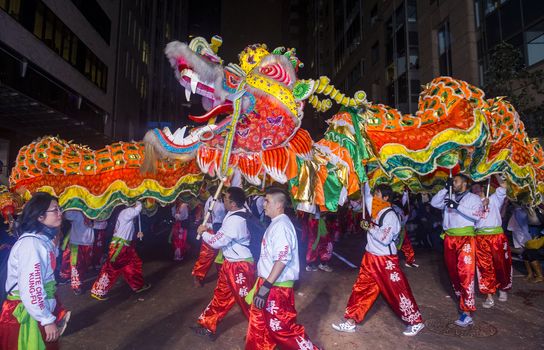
[[382, 217], [380, 223]]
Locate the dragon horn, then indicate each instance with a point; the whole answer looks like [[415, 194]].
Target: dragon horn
[[307, 89]]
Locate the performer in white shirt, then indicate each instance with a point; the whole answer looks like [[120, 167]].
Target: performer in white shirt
[[207, 254], [380, 270], [77, 256], [461, 212], [99, 227], [178, 236], [493, 257], [32, 316], [123, 258], [272, 320], [237, 276]]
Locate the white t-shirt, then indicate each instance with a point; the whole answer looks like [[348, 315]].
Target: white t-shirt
[[81, 232], [218, 212], [492, 217], [467, 213], [279, 244], [124, 227], [30, 266], [232, 238]]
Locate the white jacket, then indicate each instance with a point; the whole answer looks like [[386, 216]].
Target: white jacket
[[124, 227], [492, 217], [30, 266], [467, 214]]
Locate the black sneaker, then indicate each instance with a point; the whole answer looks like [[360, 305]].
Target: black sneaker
[[78, 291], [203, 332]]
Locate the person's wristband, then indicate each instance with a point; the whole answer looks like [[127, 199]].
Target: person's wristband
[[267, 284]]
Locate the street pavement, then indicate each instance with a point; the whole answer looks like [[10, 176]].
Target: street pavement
[[160, 317]]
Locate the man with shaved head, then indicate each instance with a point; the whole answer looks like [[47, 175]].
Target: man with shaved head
[[272, 318]]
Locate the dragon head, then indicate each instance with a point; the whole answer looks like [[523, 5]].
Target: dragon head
[[251, 107]]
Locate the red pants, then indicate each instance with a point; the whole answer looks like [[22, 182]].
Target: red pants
[[76, 272], [9, 326], [204, 261], [323, 251], [494, 263], [127, 263], [275, 325], [179, 241], [235, 281], [382, 274], [99, 247], [333, 227], [459, 256], [407, 249]]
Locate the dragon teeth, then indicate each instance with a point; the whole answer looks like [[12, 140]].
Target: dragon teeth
[[188, 95]]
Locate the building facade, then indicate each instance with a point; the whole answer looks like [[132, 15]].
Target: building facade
[[57, 71], [389, 48]]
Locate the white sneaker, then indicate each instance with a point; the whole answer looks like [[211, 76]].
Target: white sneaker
[[488, 303], [311, 268], [345, 327], [503, 296], [325, 268], [413, 330], [464, 321], [411, 265]]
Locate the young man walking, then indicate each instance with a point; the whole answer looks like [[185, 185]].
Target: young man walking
[[380, 269], [272, 319], [237, 275]]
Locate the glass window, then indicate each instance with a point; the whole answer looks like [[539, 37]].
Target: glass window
[[489, 6], [532, 10], [534, 37], [38, 21], [401, 65], [511, 18], [15, 8], [414, 58], [412, 11], [59, 27], [49, 23], [399, 15], [402, 89], [444, 49], [73, 57], [492, 30], [374, 15], [400, 39], [375, 52], [390, 91], [413, 38], [66, 45]]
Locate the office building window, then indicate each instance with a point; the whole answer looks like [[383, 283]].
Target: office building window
[[534, 37], [374, 15], [444, 49], [412, 11], [375, 53], [49, 29]]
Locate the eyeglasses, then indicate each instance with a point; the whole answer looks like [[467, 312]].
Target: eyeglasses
[[57, 210]]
